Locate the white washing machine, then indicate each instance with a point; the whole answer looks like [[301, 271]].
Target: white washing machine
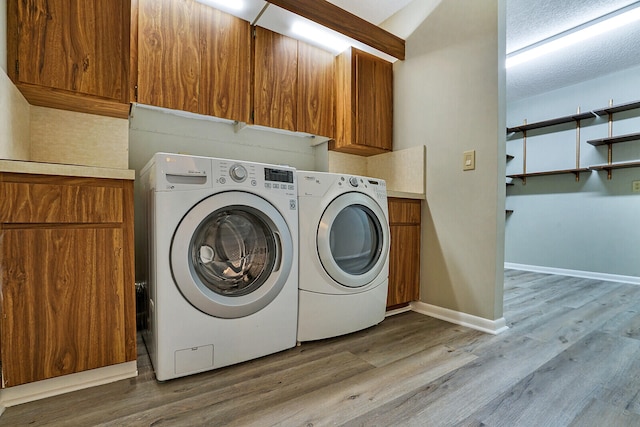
[[344, 254], [223, 262]]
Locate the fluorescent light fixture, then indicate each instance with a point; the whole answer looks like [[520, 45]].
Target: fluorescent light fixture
[[315, 35], [578, 34], [228, 5]]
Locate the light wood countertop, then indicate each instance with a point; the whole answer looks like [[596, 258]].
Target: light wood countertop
[[21, 166], [405, 195]]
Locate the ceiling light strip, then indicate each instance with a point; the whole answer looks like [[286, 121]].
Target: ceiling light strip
[[575, 35]]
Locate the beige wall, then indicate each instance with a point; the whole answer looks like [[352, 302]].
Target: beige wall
[[49, 135], [403, 170], [14, 121], [449, 96]]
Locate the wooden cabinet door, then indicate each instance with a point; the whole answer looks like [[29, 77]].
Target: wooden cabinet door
[[404, 252], [275, 80], [404, 265], [225, 76], [364, 104], [74, 45], [316, 89], [374, 101], [63, 308], [168, 54]]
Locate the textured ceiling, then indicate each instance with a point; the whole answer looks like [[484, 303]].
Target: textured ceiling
[[529, 21]]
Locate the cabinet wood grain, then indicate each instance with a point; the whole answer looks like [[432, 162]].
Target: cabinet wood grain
[[374, 101], [168, 54], [225, 74], [66, 50], [316, 91], [364, 104], [275, 80], [404, 253], [42, 202], [53, 281], [403, 211], [66, 268]]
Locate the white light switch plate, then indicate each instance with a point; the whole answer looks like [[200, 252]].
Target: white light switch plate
[[469, 160]]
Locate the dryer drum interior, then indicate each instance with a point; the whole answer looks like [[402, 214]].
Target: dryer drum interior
[[355, 239], [352, 240]]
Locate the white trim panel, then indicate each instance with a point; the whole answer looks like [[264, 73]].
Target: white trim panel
[[575, 273], [398, 311], [481, 324], [67, 383]]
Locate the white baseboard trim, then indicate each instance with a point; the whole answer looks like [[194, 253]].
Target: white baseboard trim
[[481, 324], [54, 386], [398, 311], [575, 273]]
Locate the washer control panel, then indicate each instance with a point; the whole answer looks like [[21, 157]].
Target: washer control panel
[[255, 175], [238, 173]]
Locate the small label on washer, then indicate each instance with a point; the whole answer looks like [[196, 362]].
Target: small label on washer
[[292, 204]]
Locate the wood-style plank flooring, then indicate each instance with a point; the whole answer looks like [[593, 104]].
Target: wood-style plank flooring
[[570, 358]]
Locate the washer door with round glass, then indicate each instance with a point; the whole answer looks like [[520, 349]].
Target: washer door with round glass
[[353, 240], [231, 254]]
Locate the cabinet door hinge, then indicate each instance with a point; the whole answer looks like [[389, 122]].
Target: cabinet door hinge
[[135, 92], [254, 32]]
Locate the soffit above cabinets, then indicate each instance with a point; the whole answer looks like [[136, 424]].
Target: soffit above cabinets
[[280, 20]]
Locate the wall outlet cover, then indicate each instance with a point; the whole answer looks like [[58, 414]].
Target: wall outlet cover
[[635, 186]]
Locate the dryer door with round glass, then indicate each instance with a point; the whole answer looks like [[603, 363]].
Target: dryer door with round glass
[[231, 254], [353, 240]]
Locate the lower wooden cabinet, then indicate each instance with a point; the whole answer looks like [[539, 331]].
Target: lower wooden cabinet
[[68, 294], [404, 256]]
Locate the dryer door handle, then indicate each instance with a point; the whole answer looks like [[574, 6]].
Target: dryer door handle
[[278, 261]]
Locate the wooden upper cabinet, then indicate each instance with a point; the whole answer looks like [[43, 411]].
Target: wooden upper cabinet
[[192, 57], [71, 54], [168, 54], [364, 104], [225, 63], [316, 91], [275, 80]]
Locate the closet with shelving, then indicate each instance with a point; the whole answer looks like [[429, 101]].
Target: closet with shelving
[[580, 119]]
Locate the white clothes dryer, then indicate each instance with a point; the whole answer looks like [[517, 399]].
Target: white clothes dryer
[[344, 254], [223, 262]]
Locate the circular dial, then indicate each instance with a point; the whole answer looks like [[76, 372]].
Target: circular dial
[[238, 173], [353, 181]]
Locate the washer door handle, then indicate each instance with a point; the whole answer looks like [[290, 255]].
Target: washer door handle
[[278, 261]]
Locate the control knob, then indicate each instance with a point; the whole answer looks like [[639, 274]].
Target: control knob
[[238, 173], [353, 181]]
